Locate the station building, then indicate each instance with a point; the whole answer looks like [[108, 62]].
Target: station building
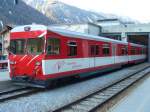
[[4, 39]]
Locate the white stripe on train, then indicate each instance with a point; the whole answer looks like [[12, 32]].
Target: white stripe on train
[[64, 65]]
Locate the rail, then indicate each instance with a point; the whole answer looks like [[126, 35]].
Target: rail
[[16, 92], [97, 99]]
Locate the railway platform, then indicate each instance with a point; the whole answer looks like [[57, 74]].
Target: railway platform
[[4, 75], [137, 99]]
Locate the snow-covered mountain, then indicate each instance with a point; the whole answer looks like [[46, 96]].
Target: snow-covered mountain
[[45, 12], [20, 13], [63, 13]]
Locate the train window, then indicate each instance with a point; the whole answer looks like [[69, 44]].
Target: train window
[[94, 50], [53, 46], [124, 51], [140, 51], [97, 50], [143, 51], [133, 51], [35, 45], [106, 49], [72, 48], [17, 46]]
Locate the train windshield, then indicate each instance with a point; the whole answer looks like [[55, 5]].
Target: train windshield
[[35, 46], [17, 46]]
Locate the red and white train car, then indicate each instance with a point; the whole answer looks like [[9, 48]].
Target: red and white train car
[[39, 54]]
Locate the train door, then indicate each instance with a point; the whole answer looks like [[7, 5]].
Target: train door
[[91, 56], [91, 45], [114, 52], [94, 54]]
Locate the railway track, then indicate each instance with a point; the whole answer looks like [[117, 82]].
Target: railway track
[[95, 100], [88, 103], [15, 93]]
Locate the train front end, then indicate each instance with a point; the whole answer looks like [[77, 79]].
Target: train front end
[[26, 52]]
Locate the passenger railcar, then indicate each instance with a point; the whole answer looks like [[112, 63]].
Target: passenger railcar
[[39, 54]]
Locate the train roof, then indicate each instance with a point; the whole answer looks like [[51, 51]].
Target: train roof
[[74, 34], [69, 33]]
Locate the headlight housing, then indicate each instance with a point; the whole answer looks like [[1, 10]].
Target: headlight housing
[[12, 62], [38, 63]]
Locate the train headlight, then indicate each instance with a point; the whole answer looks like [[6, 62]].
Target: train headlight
[[37, 63], [12, 62]]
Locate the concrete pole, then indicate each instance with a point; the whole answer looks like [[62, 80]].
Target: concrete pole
[[149, 47], [124, 37]]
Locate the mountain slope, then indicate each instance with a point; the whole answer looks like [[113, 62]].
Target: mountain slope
[[44, 12], [63, 13], [21, 14]]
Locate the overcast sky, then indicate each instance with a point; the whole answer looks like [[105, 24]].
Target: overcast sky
[[135, 9]]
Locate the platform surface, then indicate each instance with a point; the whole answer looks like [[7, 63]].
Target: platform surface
[[4, 75], [137, 101]]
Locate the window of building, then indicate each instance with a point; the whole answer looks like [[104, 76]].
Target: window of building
[[72, 49], [53, 46], [106, 49]]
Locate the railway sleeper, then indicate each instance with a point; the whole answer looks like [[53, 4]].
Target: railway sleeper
[[89, 103], [94, 100], [80, 108], [98, 97], [112, 92]]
